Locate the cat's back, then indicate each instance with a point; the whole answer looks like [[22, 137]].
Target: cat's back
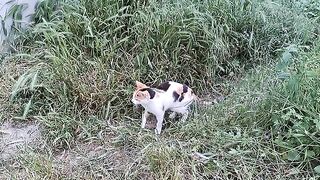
[[176, 90], [170, 86]]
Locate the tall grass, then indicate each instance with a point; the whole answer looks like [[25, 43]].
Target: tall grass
[[85, 56], [94, 50], [284, 106]]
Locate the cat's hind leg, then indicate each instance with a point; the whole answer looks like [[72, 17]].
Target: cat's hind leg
[[184, 111], [159, 117]]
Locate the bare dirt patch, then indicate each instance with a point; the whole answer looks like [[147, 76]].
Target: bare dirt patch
[[92, 160], [13, 138]]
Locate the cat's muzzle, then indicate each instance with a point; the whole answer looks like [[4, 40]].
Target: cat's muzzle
[[136, 105]]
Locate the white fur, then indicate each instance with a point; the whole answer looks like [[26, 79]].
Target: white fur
[[163, 102]]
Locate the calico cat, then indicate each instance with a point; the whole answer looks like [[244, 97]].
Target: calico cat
[[170, 95]]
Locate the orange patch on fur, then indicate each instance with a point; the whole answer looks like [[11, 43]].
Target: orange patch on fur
[[140, 85], [179, 90]]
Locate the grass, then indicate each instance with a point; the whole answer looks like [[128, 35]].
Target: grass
[[79, 62]]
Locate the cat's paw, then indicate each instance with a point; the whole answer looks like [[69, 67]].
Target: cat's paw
[[143, 125], [157, 131], [184, 118], [172, 115], [143, 122]]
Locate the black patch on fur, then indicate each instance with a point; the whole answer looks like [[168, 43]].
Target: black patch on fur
[[164, 86], [151, 92], [181, 98], [184, 88], [175, 96], [162, 108]]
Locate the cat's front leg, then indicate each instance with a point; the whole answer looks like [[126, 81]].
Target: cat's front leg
[[159, 117], [144, 119]]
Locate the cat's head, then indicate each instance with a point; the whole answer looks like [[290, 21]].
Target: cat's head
[[142, 94]]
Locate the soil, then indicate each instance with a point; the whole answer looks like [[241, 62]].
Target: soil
[[14, 138]]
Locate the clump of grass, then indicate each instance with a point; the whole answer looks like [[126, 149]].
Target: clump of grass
[[293, 110], [95, 50], [284, 107]]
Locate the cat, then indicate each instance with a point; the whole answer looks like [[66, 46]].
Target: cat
[[169, 95]]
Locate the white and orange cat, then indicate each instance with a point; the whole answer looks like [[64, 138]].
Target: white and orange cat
[[170, 95]]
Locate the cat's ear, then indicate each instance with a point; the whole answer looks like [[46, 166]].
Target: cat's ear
[[140, 85]]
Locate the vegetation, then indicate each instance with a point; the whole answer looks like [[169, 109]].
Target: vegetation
[[73, 72]]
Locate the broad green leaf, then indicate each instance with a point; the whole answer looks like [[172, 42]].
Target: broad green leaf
[[26, 109], [293, 155], [34, 81], [317, 169], [298, 135]]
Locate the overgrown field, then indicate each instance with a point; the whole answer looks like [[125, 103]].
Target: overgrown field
[[73, 72]]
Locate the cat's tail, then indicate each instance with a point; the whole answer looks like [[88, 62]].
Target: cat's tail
[[195, 97], [188, 92], [201, 101]]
